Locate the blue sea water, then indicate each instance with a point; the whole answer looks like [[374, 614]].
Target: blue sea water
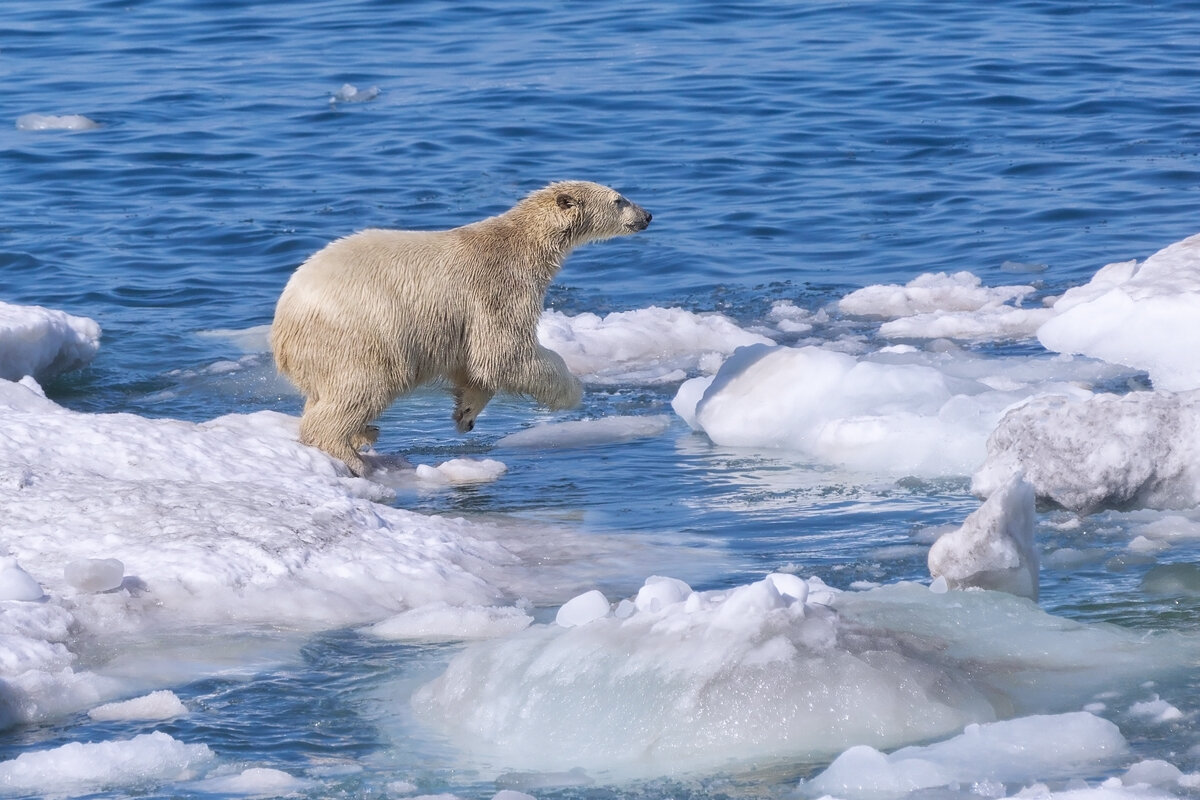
[[787, 151]]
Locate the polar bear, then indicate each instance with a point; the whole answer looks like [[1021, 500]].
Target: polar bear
[[377, 313]]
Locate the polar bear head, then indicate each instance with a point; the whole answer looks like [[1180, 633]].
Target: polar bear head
[[586, 212]]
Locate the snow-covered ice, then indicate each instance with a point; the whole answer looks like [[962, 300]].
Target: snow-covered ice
[[929, 293], [461, 471], [252, 782], [82, 768], [1019, 751], [161, 705], [955, 306], [1144, 315], [441, 621], [898, 413], [247, 526], [44, 342], [587, 432], [1092, 451], [646, 345], [994, 548], [782, 668]]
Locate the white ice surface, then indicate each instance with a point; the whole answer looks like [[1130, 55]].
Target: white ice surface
[[994, 548], [1020, 751], [444, 622], [17, 584], [253, 782], [910, 412], [938, 305], [1090, 451], [228, 521], [44, 342], [928, 293], [587, 432], [84, 768], [161, 705], [647, 345], [1144, 315], [713, 680], [461, 471]]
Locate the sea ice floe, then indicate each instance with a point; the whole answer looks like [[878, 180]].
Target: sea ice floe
[[16, 583], [252, 782], [444, 622], [1145, 316], [55, 122], [675, 680], [1018, 751], [956, 306], [156, 706], [461, 471], [928, 293], [1092, 451], [44, 342], [80, 768], [588, 432], [141, 525], [896, 413]]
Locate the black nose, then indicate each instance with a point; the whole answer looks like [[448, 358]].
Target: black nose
[[649, 217]]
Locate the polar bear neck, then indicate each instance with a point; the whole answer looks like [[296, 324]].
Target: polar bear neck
[[530, 237]]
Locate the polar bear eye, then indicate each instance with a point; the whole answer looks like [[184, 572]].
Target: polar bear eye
[[619, 201]]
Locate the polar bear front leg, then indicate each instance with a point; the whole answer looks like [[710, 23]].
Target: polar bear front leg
[[551, 383], [468, 402]]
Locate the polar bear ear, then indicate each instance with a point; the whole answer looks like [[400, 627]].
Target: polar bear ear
[[566, 201]]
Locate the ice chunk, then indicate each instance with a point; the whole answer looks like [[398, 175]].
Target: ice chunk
[[55, 122], [160, 705], [659, 592], [587, 432], [349, 93], [1014, 751], [997, 323], [462, 471], [1156, 710], [79, 768], [751, 674], [994, 548], [931, 292], [16, 583], [94, 574], [582, 609], [1139, 449], [255, 782], [647, 345], [1144, 316], [904, 418], [44, 342], [444, 622], [511, 794], [1152, 772]]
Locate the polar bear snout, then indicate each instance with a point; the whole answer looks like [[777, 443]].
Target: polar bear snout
[[641, 218]]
